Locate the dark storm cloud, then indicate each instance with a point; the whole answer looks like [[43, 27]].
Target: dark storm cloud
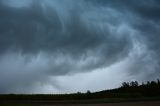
[[144, 17], [49, 38], [33, 29], [147, 23]]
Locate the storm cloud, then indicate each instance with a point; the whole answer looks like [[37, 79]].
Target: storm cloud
[[49, 44]]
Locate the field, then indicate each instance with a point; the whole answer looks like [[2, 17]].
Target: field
[[150, 103], [146, 101], [157, 103], [116, 104]]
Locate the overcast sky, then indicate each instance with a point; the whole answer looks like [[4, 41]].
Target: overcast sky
[[65, 46]]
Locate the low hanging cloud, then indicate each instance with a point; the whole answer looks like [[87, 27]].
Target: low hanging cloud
[[42, 40]]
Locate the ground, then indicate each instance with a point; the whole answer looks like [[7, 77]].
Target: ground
[[150, 103]]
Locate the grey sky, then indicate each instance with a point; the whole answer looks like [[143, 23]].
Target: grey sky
[[61, 46]]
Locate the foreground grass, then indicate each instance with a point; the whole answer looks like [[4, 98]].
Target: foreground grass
[[76, 102], [18, 105], [146, 103]]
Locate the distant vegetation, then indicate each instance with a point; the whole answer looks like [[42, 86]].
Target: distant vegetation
[[127, 90]]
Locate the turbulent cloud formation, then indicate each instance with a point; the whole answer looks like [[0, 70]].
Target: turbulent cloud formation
[[45, 45]]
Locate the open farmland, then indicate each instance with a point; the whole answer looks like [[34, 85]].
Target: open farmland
[[152, 103]]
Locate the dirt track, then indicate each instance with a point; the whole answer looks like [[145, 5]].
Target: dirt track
[[153, 103]]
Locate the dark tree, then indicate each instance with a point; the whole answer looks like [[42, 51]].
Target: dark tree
[[134, 84], [125, 84]]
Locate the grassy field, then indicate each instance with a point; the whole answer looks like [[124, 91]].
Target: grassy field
[[150, 103], [97, 102], [116, 104]]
